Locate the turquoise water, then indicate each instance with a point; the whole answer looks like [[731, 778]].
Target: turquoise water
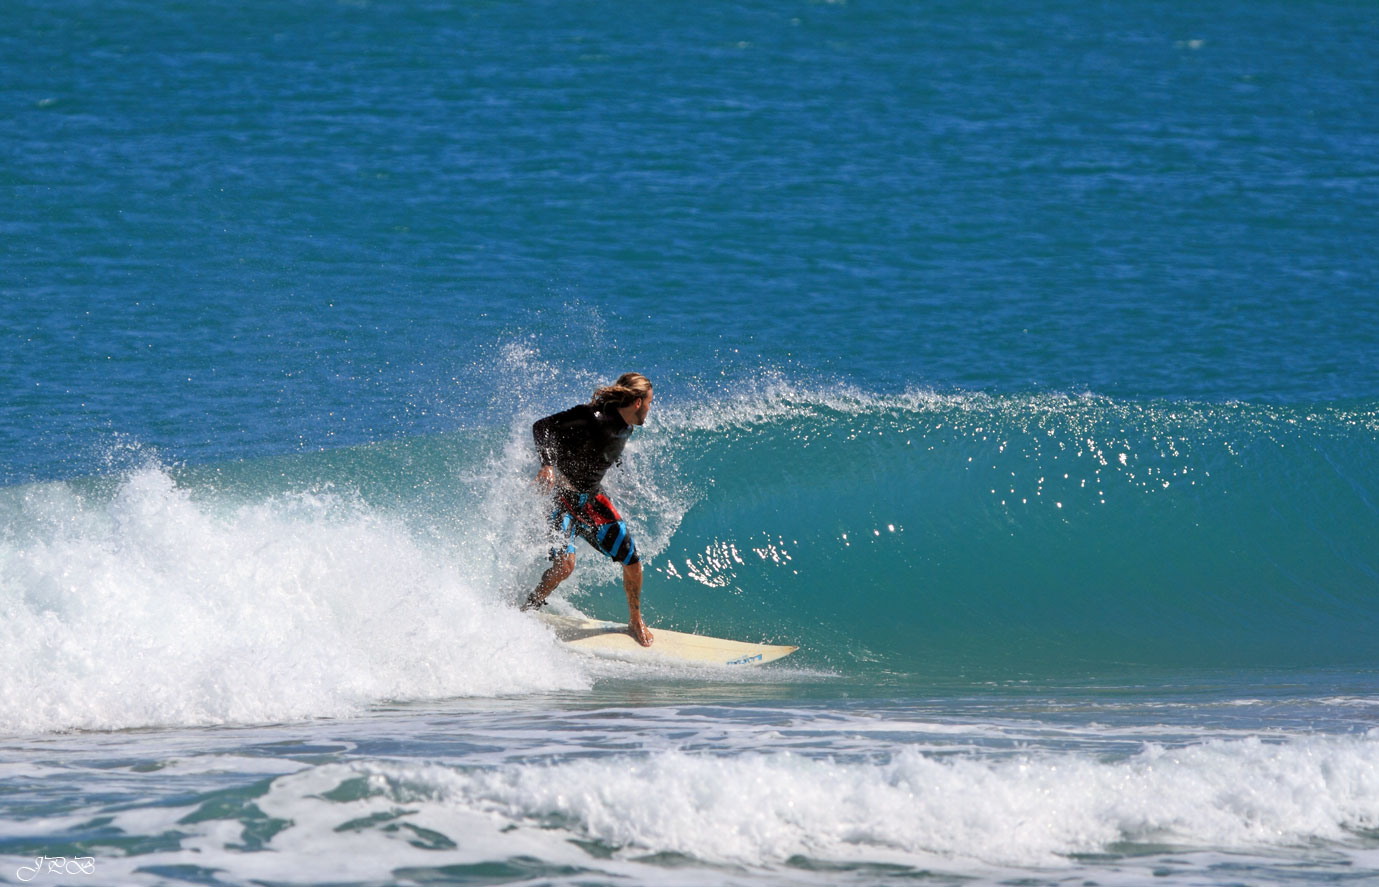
[[1017, 361]]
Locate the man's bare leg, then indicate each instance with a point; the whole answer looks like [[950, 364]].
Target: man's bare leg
[[632, 584], [559, 570]]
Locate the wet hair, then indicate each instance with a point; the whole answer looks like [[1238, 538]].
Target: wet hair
[[629, 388]]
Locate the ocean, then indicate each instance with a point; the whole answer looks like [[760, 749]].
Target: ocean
[[1018, 361]]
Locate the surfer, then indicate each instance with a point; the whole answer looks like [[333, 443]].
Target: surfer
[[577, 447]]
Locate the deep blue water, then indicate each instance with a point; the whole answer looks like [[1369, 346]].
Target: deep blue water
[[1019, 361], [233, 232]]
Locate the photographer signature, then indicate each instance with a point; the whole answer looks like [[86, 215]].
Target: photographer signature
[[57, 865]]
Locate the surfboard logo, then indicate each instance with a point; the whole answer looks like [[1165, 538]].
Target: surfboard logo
[[744, 660]]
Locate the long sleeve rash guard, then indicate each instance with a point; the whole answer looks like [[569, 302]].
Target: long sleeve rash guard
[[582, 443]]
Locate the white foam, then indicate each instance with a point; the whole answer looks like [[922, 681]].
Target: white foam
[[1309, 803], [1027, 811], [152, 607], [1032, 810]]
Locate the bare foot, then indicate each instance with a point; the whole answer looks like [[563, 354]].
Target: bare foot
[[640, 633]]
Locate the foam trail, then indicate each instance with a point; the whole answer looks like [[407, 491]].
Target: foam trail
[[152, 606]]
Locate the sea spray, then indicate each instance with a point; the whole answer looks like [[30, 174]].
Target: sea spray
[[149, 607]]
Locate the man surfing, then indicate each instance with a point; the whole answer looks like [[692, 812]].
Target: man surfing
[[577, 447]]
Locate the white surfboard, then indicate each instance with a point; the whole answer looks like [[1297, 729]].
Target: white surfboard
[[611, 639]]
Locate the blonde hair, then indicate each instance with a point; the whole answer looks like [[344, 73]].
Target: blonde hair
[[629, 388]]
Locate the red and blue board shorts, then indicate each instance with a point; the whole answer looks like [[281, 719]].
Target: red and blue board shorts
[[592, 518]]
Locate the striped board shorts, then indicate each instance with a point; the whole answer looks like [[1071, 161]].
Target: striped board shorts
[[593, 519]]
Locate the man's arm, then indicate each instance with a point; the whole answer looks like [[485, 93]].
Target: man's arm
[[548, 437], [554, 434]]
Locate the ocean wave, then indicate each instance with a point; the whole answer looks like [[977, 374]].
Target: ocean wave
[[916, 534], [968, 530]]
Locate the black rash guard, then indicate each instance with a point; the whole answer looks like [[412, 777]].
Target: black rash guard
[[582, 443]]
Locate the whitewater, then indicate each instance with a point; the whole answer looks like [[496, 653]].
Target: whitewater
[[743, 787]]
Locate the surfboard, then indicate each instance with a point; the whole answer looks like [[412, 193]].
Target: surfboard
[[611, 639]]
